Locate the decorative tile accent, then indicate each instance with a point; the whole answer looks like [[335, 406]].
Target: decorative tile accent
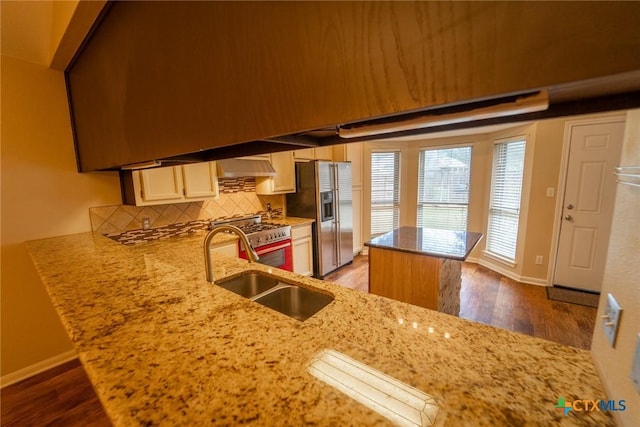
[[140, 236], [132, 237], [238, 198], [235, 185]]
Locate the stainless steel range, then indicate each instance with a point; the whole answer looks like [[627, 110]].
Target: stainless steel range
[[271, 241]]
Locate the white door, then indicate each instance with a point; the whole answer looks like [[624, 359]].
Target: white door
[[589, 194]]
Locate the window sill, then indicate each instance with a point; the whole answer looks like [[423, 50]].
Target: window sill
[[500, 259]]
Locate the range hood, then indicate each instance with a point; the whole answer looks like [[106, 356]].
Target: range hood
[[234, 168]]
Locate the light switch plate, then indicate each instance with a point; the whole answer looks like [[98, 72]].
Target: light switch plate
[[635, 368], [611, 319]]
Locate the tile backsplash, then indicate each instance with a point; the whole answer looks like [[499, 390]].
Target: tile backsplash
[[237, 197]]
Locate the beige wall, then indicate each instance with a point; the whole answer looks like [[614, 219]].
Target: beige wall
[[621, 280], [42, 196], [544, 152]]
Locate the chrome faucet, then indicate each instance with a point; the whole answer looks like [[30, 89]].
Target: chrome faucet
[[208, 261]]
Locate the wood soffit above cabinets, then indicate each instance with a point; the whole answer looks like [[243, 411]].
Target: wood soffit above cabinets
[[240, 78]]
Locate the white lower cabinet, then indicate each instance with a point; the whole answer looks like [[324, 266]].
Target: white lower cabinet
[[302, 250]]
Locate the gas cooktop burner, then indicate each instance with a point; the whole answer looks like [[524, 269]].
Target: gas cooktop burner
[[259, 233]]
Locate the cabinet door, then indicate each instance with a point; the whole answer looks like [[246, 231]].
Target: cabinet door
[[305, 154], [285, 179], [161, 184], [351, 153], [200, 180], [357, 219], [302, 250], [323, 153], [354, 155]]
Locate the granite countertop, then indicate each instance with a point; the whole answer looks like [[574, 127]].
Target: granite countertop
[[163, 346], [292, 221], [428, 241]]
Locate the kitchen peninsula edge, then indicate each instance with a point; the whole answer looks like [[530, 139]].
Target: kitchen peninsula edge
[[420, 266], [162, 345]]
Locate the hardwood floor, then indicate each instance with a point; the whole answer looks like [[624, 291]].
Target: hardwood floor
[[490, 298], [63, 396]]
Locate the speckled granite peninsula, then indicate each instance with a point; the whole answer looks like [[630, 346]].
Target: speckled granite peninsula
[[420, 266], [163, 346]]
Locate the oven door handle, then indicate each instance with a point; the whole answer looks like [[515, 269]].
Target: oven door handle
[[274, 248]]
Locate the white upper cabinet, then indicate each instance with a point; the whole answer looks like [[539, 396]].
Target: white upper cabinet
[[200, 180], [351, 153], [318, 153], [160, 184], [323, 153], [285, 179], [175, 184], [304, 154]]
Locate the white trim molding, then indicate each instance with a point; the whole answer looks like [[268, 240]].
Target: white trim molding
[[507, 273], [36, 368]]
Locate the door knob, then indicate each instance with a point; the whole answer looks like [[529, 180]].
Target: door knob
[[569, 206], [568, 218]]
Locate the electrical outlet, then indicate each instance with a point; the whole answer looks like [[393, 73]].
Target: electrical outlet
[[539, 259], [146, 223], [550, 191], [611, 319]]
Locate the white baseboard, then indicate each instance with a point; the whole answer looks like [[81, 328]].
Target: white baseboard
[[510, 274], [534, 281], [36, 368]]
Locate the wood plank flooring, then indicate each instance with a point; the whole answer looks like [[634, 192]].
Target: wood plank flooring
[[63, 396], [490, 298]]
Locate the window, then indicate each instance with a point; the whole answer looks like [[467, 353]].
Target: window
[[504, 206], [385, 191], [443, 188]]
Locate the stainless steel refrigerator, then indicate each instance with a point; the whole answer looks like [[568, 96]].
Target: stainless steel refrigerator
[[324, 194]]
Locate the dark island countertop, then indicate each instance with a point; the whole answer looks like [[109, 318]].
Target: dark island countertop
[[428, 241]]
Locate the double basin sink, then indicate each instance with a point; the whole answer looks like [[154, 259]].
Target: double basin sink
[[294, 301]]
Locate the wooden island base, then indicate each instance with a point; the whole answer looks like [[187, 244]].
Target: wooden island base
[[418, 279]]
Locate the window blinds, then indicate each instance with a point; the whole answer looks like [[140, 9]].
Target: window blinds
[[443, 188], [506, 190], [385, 191]]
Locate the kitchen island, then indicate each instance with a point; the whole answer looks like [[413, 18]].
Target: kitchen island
[[421, 266], [161, 345]]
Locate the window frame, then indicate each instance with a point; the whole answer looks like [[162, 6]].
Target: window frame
[[524, 194], [397, 190], [422, 149]]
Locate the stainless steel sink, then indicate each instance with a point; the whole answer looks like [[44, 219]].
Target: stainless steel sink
[[294, 301], [249, 285]]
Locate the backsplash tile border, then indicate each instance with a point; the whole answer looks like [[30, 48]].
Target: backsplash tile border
[[132, 237], [237, 197]]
